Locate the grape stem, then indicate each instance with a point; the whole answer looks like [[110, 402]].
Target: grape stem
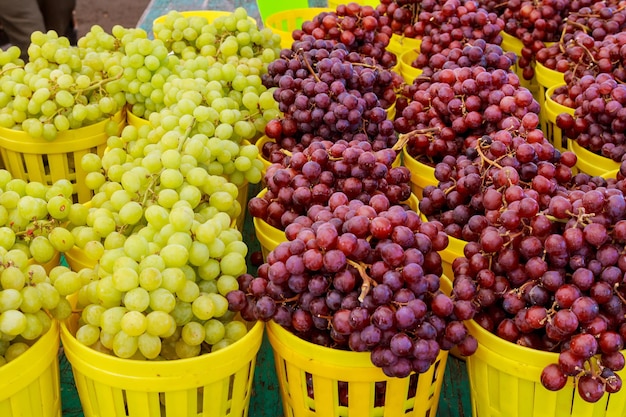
[[368, 282], [404, 138], [308, 65], [102, 82], [484, 157], [9, 69]]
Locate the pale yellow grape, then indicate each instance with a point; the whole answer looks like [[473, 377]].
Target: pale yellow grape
[[220, 304], [235, 330], [134, 323], [159, 323], [203, 307], [175, 256], [136, 247], [32, 300], [162, 300], [7, 236], [189, 292], [166, 197], [106, 292], [50, 297], [125, 279], [216, 247], [233, 263], [114, 240], [193, 333], [94, 250], [36, 274], [182, 313], [110, 319], [181, 218], [150, 278], [208, 286], [12, 277], [41, 249], [156, 215], [61, 239], [209, 270], [34, 327], [124, 345], [181, 238], [12, 322], [198, 253], [149, 345], [63, 309], [109, 257], [10, 299], [106, 339], [15, 350], [137, 299], [88, 334], [92, 314], [183, 350], [173, 279], [67, 283]]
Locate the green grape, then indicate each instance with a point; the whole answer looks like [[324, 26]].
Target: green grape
[[32, 300], [159, 323], [60, 239], [137, 299], [88, 334], [214, 331], [92, 314], [235, 330], [162, 300], [12, 322], [149, 345], [125, 279], [193, 333], [134, 323], [67, 283], [203, 307], [10, 299], [220, 304], [124, 345]]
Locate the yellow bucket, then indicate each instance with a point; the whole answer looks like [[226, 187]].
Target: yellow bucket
[[551, 109], [242, 198], [422, 175], [399, 44], [30, 384], [455, 249], [505, 377], [512, 44], [39, 160], [285, 22], [311, 378], [217, 384], [546, 78], [135, 120], [259, 144], [407, 70], [77, 260], [591, 163]]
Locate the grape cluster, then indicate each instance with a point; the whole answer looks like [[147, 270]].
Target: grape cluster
[[61, 87], [402, 15], [503, 180], [556, 288], [459, 106], [358, 28], [599, 120], [309, 178], [364, 277], [472, 53], [327, 92], [534, 23], [33, 286], [590, 43]]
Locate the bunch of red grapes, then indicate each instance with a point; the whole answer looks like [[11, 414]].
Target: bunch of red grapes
[[502, 180], [558, 287], [472, 53], [461, 105], [364, 277], [402, 15], [590, 43], [309, 178], [599, 120], [360, 28]]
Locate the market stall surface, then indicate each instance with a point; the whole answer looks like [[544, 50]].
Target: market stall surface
[[265, 400]]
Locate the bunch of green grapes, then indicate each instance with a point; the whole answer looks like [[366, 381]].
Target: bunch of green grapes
[[234, 34], [62, 87], [33, 287], [160, 232]]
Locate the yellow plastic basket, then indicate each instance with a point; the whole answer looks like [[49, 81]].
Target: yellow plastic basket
[[36, 159], [505, 377], [399, 44], [551, 109], [285, 22], [134, 120], [512, 44], [242, 199], [546, 78], [408, 71], [591, 163], [310, 378], [449, 254], [30, 384], [77, 260], [259, 144], [422, 175], [217, 384]]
